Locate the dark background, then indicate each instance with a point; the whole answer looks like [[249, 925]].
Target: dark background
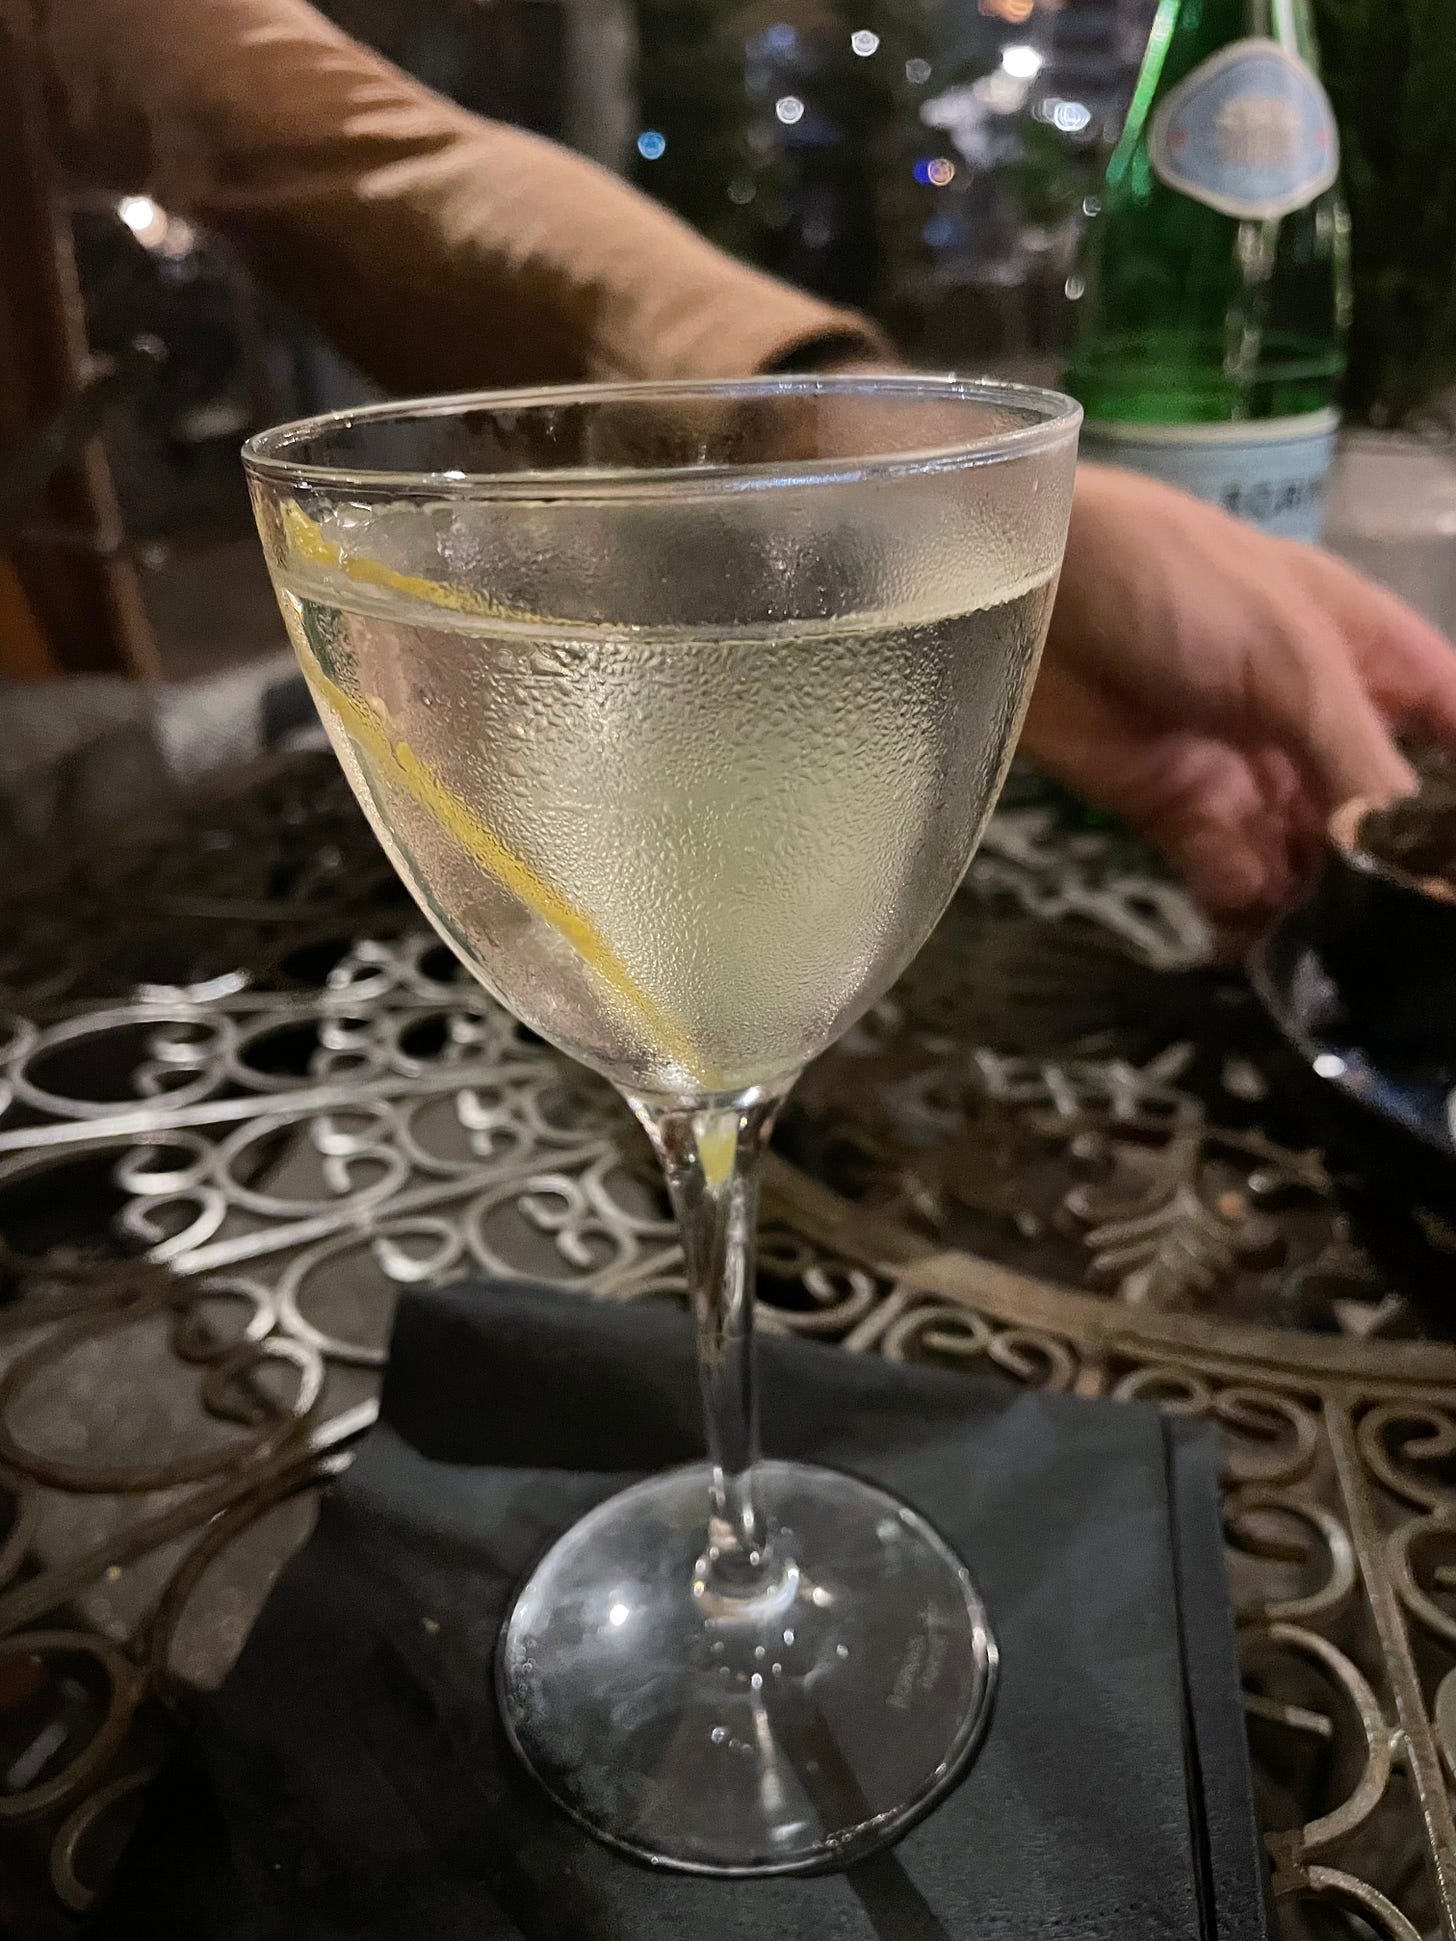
[[930, 160]]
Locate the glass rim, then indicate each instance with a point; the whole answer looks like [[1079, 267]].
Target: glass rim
[[1055, 418]]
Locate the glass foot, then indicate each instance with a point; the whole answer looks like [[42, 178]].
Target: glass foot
[[793, 1730]]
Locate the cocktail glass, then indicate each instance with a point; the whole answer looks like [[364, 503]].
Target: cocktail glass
[[680, 710]]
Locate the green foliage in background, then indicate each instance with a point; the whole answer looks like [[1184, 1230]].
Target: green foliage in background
[[1390, 67], [690, 89], [731, 174], [908, 30]]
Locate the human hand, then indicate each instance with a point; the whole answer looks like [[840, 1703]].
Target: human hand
[[1221, 691]]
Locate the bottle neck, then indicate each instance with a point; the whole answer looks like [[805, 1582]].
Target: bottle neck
[[1201, 27]]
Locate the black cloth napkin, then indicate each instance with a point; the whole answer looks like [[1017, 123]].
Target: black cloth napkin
[[351, 1777]]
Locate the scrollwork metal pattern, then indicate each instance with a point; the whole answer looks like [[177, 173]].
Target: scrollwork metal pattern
[[244, 1101]]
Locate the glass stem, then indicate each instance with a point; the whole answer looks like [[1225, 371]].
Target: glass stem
[[711, 1152]]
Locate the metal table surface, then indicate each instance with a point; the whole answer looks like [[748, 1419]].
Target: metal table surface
[[245, 1098]]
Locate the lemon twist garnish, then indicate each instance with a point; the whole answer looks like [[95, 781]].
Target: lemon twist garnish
[[716, 1137], [454, 815], [306, 541]]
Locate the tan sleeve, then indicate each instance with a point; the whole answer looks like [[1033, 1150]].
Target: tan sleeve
[[435, 249]]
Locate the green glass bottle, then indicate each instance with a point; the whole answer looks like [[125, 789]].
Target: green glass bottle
[[1210, 347]]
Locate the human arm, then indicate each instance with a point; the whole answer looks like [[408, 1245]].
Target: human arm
[[437, 250]]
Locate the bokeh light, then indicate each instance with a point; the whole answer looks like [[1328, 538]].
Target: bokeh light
[[146, 221], [1022, 61]]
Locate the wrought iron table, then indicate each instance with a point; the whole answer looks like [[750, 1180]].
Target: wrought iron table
[[244, 1098]]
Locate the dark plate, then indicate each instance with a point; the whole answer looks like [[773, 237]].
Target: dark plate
[[1406, 1096], [1384, 1122]]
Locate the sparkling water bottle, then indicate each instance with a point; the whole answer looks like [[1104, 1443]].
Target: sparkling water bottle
[[1216, 275]]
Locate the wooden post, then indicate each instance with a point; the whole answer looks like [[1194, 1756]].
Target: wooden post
[[69, 600]]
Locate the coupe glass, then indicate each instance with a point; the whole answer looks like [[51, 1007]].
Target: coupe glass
[[680, 710]]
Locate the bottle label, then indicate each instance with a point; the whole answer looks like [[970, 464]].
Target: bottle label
[[1271, 473], [1249, 132]]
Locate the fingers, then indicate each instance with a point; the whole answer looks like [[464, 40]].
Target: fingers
[[1222, 691], [1334, 732], [1408, 665], [1235, 829], [1212, 820], [1221, 631], [1290, 803], [1284, 650]]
